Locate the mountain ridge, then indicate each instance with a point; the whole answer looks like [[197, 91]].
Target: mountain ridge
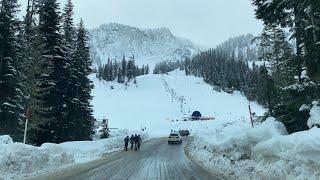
[[148, 46]]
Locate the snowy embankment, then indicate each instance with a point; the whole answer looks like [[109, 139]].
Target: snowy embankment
[[19, 160], [263, 152]]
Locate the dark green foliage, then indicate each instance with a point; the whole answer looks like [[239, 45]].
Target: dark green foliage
[[46, 70], [122, 73], [33, 64], [219, 69], [80, 108], [167, 66], [11, 94], [298, 74]]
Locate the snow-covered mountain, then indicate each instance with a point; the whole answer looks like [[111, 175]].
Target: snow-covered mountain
[[243, 47], [148, 46]]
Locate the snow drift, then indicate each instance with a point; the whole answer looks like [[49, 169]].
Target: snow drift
[[19, 159], [263, 152]]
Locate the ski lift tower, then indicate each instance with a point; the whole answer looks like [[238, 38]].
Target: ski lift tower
[[182, 100]]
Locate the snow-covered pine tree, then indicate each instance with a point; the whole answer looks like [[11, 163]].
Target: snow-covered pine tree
[[85, 119], [123, 67], [301, 17], [131, 69], [32, 65], [120, 77], [11, 95], [73, 103], [115, 70], [52, 82], [68, 25]]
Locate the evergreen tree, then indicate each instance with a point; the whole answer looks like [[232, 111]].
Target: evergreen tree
[[302, 19], [32, 41], [84, 120], [68, 25], [123, 67], [11, 94], [68, 41], [52, 83], [130, 69], [147, 69]]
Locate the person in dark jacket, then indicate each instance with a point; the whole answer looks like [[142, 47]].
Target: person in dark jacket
[[132, 141], [139, 141], [136, 140], [126, 142]]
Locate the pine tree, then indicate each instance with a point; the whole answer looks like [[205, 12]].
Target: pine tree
[[32, 41], [147, 69], [11, 95], [68, 25], [301, 17], [123, 68], [120, 77], [54, 89], [68, 40], [130, 69], [85, 119]]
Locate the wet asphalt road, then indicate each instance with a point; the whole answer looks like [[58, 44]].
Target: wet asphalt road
[[156, 160]]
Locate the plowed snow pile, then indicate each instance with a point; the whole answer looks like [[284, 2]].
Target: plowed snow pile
[[19, 160], [263, 152]]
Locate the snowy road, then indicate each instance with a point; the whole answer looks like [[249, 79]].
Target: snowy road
[[155, 160]]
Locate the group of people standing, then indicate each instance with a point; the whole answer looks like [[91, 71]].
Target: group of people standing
[[134, 140]]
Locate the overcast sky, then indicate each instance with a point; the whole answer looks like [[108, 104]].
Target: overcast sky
[[205, 22]]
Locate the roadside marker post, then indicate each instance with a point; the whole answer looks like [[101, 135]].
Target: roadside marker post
[[250, 115], [26, 126]]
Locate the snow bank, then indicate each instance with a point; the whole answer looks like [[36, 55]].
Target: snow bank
[[298, 154], [19, 160], [263, 152], [314, 116], [5, 139], [84, 151]]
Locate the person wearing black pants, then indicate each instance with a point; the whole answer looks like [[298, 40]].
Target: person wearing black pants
[[126, 142], [136, 141], [132, 141], [139, 141]]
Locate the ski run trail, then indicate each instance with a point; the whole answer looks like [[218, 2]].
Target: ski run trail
[[155, 101]]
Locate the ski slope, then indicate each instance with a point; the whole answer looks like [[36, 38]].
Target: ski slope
[[154, 102]]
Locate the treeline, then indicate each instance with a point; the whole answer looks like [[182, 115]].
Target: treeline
[[44, 64], [122, 72], [167, 66], [227, 73], [290, 74]]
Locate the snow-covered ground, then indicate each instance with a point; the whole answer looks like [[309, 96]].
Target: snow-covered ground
[[156, 100]]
